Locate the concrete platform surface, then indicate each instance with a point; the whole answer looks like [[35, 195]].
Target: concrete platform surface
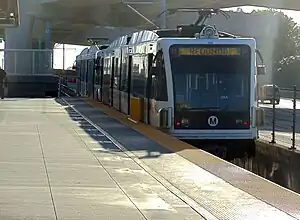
[[58, 161], [203, 181], [51, 169]]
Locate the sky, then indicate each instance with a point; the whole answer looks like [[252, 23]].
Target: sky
[[71, 51]]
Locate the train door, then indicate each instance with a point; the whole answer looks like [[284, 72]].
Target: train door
[[147, 102], [91, 70], [158, 90], [82, 77], [78, 76], [112, 79], [125, 83], [83, 70], [106, 81], [86, 78], [129, 83], [116, 84], [120, 69], [101, 80], [95, 79]]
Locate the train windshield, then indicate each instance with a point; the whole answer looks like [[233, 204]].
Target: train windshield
[[211, 77]]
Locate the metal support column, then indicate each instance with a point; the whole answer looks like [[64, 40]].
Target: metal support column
[[64, 54], [47, 35], [163, 16], [47, 56], [39, 57]]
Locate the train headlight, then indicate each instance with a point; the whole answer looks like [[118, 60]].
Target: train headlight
[[185, 122]]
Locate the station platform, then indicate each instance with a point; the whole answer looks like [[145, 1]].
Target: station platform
[[67, 159]]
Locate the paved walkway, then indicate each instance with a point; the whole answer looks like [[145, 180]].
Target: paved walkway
[[51, 169]]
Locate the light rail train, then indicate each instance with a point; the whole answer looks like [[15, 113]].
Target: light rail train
[[195, 83]]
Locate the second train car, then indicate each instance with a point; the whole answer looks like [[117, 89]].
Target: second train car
[[195, 83]]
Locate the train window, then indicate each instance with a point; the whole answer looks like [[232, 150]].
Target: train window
[[97, 63], [153, 87], [97, 71], [124, 75], [97, 76], [159, 81], [138, 76], [199, 83], [101, 71], [125, 85], [106, 72], [90, 68], [107, 66], [86, 71], [120, 73], [84, 66], [117, 74], [82, 69]]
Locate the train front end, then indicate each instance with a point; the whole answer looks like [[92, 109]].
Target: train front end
[[213, 91]]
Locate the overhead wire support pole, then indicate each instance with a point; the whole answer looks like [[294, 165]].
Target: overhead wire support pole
[[294, 118], [64, 54], [139, 13], [273, 117]]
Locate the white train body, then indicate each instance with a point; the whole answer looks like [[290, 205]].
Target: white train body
[[191, 87]]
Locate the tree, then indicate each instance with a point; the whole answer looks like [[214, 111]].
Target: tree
[[287, 41], [288, 71]]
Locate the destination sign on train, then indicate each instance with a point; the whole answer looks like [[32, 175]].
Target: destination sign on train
[[211, 51]]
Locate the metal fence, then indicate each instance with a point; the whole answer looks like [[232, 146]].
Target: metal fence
[[281, 118], [27, 61], [31, 72], [65, 88]]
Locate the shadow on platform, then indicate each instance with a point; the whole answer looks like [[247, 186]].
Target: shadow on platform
[[132, 140]]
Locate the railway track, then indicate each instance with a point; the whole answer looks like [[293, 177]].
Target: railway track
[[66, 91]]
